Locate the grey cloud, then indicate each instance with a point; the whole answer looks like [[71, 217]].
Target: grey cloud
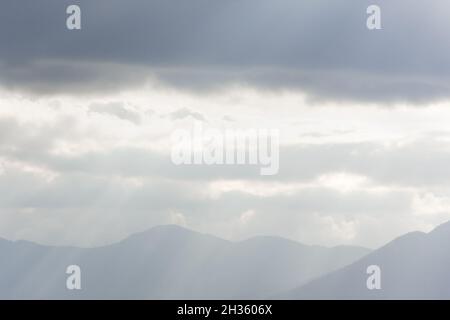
[[322, 48], [184, 113], [228, 119], [66, 76], [116, 109]]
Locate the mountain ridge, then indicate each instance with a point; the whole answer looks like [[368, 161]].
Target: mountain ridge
[[166, 262], [413, 266], [174, 227]]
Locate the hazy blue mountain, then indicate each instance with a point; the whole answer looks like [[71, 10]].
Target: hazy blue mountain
[[167, 262], [414, 266]]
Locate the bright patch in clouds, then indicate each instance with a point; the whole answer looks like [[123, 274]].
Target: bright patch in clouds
[[342, 182], [246, 217]]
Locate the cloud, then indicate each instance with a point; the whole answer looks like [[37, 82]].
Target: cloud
[[321, 48], [353, 193], [228, 119], [246, 217], [79, 203], [116, 109], [419, 163], [184, 113], [49, 77], [67, 173]]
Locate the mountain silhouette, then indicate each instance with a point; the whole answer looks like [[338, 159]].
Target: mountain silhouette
[[167, 262], [414, 266]]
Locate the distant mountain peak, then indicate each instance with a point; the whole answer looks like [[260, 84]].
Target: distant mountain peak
[[172, 232]]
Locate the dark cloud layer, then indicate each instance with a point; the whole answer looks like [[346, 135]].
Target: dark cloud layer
[[320, 47]]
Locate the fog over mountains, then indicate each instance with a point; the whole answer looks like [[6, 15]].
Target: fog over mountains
[[170, 262], [167, 262]]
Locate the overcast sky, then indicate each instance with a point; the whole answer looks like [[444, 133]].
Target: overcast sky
[[86, 118]]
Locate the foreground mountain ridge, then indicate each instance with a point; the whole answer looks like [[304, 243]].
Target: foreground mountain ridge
[[413, 266]]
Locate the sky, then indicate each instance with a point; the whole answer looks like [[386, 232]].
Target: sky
[[86, 118]]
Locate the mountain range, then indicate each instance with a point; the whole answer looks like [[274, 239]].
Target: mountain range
[[171, 262], [168, 262]]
